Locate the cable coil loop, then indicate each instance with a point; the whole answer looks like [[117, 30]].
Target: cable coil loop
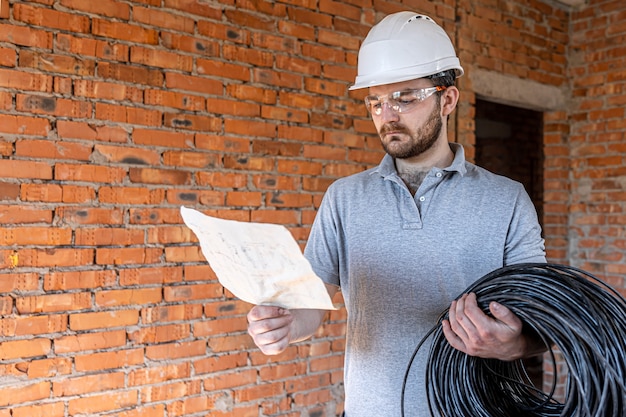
[[568, 308]]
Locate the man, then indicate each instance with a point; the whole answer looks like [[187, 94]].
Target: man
[[404, 239]]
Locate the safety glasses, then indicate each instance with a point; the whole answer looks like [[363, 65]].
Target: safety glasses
[[400, 101]]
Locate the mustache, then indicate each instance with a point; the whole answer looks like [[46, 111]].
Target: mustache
[[393, 127]]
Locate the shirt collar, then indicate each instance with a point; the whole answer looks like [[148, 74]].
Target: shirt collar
[[458, 164], [387, 166]]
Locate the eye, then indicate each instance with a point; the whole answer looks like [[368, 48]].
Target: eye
[[406, 98], [373, 102]]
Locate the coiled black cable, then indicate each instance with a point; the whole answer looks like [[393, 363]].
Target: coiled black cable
[[567, 308]]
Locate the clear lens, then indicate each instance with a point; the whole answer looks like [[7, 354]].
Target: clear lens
[[400, 101]]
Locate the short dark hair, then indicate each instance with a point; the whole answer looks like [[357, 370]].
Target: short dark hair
[[444, 78]]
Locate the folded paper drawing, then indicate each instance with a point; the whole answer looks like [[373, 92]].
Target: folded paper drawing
[[259, 263]]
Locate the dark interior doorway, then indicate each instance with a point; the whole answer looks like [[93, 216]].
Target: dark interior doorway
[[509, 142]]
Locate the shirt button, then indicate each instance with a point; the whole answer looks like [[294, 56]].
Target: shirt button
[[422, 198], [439, 174]]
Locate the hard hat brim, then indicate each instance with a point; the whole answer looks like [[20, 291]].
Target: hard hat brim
[[407, 74]]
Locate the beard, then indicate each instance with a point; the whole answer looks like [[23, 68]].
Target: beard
[[422, 140]]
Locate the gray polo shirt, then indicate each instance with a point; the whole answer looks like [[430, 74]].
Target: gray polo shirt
[[400, 260]]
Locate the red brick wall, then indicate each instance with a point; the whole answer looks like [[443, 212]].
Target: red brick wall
[[597, 140], [115, 113], [112, 115]]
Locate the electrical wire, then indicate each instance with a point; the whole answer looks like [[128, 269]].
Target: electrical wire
[[567, 308]]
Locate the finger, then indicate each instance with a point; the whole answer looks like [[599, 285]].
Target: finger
[[504, 315], [272, 342], [271, 335], [461, 313], [271, 339], [452, 338], [454, 318], [264, 312], [472, 312], [270, 322], [273, 349], [501, 314]]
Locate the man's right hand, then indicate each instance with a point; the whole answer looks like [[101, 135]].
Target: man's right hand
[[270, 328]]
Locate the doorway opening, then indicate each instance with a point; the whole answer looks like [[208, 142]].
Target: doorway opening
[[509, 142]]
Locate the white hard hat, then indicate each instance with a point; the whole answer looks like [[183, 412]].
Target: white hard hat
[[404, 46]]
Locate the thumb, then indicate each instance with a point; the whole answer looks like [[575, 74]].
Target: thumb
[[262, 312], [504, 315]]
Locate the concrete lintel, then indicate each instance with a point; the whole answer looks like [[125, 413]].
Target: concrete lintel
[[514, 91], [572, 3]]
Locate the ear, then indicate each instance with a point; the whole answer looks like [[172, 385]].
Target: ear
[[449, 98]]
